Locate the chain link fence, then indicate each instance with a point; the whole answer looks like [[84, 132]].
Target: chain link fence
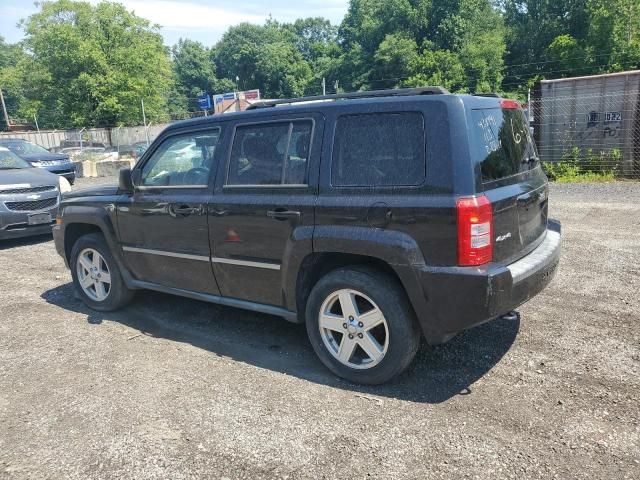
[[589, 124], [121, 140]]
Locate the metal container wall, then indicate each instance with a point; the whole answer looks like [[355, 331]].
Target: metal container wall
[[599, 115]]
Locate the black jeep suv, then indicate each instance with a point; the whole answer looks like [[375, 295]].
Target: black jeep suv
[[374, 217]]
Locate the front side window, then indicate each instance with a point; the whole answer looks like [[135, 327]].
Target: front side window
[[182, 160], [270, 154], [379, 150]]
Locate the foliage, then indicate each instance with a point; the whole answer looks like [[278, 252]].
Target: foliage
[[586, 166], [263, 57], [11, 72], [398, 41], [194, 73], [565, 38], [90, 64]]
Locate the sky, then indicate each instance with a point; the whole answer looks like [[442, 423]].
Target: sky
[[200, 20]]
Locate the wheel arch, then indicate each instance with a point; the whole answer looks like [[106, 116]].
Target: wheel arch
[[82, 220]]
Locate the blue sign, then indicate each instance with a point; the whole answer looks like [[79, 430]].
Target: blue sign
[[229, 96], [204, 102], [218, 99]]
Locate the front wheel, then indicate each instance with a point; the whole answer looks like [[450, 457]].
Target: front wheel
[[361, 325], [96, 275]]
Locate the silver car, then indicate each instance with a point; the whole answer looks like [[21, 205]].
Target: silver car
[[29, 197]]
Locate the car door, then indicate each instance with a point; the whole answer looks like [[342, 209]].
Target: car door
[[264, 203], [163, 226]]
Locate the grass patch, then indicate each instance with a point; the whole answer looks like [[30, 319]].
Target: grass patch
[[578, 166]]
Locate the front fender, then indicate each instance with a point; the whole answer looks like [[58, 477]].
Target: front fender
[[102, 216]]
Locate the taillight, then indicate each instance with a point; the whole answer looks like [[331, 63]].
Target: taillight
[[475, 231], [509, 105]]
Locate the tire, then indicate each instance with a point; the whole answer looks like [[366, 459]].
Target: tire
[[397, 338], [104, 299]]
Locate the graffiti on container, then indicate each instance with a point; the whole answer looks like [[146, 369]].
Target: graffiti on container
[[611, 121]]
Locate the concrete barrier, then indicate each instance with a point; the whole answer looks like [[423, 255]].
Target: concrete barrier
[[111, 168], [85, 168]]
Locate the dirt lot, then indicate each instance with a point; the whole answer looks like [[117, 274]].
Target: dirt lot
[[174, 388]]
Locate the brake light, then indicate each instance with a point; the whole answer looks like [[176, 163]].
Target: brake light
[[475, 231], [510, 105]]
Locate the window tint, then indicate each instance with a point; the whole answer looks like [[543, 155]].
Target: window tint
[[382, 149], [270, 154], [182, 160], [502, 143]]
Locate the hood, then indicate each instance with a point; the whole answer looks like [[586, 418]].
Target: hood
[[44, 157], [97, 191], [34, 177]]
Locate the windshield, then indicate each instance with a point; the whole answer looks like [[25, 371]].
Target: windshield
[[26, 148], [502, 143], [10, 161]]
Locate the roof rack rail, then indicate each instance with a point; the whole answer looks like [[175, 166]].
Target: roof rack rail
[[492, 95], [399, 92]]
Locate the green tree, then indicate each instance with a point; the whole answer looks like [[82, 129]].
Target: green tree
[[11, 57], [394, 60], [264, 57], [438, 68], [195, 73], [563, 38], [388, 42], [94, 64]]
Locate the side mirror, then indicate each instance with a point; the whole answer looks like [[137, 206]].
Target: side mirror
[[125, 183]]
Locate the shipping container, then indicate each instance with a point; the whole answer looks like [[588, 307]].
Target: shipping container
[[593, 118]]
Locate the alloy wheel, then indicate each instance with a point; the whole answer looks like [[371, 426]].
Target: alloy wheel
[[353, 329], [93, 274]]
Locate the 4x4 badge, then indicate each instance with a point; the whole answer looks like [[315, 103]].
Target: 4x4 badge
[[502, 238]]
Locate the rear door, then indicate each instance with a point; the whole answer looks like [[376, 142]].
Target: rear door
[[264, 202], [511, 177]]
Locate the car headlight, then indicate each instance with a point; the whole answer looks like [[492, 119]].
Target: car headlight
[[64, 185]]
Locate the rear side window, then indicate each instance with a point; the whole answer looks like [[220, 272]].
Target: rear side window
[[380, 149], [270, 154], [502, 143]]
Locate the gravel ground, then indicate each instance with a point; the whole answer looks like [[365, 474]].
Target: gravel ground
[[174, 388]]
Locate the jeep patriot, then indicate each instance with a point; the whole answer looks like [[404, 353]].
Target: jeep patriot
[[376, 218]]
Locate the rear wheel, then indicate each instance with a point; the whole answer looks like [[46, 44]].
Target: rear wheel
[[361, 325], [96, 275]]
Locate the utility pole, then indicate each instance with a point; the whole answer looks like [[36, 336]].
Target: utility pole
[[324, 86], [336, 85], [4, 111], [36, 120], [144, 121]]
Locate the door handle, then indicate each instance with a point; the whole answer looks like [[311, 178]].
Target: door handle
[[184, 210], [283, 214]]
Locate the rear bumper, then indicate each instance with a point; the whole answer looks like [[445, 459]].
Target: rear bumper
[[458, 298]]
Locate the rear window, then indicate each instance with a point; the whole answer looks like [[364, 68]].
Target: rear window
[[502, 143], [379, 149]]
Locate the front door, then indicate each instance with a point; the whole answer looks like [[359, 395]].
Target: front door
[[163, 225], [264, 203]]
